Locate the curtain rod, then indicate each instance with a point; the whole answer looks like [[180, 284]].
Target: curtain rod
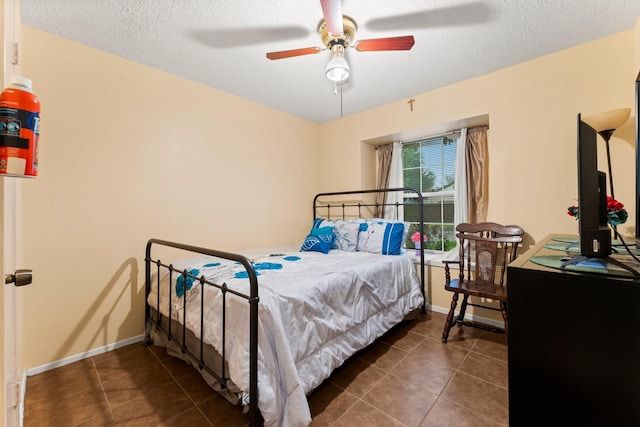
[[452, 132]]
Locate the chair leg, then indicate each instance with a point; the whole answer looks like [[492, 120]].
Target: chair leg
[[463, 309], [505, 315], [449, 322]]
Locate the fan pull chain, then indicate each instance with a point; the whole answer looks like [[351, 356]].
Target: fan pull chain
[[335, 92], [341, 101]]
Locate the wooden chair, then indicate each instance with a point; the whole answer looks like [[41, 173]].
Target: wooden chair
[[485, 250]]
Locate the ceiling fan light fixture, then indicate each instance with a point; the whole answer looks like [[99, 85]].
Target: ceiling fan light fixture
[[337, 68]]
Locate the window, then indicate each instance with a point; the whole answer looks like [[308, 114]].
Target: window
[[429, 166]]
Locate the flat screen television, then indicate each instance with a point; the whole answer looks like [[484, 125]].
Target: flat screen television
[[638, 161], [593, 229]]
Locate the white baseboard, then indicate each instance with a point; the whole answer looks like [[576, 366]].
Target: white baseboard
[[139, 338], [85, 355], [471, 318], [23, 392], [66, 361]]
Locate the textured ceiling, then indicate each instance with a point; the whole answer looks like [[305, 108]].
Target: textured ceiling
[[222, 43]]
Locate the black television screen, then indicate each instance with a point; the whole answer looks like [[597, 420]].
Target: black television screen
[[638, 161], [595, 235]]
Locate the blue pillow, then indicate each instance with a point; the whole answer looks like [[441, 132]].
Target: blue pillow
[[379, 237], [318, 222], [319, 240]]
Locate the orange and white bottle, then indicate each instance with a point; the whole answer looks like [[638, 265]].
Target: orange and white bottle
[[19, 133]]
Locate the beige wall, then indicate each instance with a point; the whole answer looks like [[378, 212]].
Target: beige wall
[[532, 109], [129, 153]]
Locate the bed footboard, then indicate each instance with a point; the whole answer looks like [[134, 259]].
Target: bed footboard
[[155, 322]]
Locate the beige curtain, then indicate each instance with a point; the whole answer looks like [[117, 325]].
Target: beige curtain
[[477, 176], [384, 168]]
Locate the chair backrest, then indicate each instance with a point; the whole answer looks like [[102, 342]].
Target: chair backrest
[[488, 246]]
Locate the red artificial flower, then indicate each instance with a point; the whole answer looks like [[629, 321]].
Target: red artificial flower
[[616, 213], [614, 205]]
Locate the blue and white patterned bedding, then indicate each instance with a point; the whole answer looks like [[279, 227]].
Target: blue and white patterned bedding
[[315, 311]]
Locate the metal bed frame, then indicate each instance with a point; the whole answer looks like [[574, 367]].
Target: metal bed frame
[[154, 319]]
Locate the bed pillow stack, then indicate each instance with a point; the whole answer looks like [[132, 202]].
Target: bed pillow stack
[[379, 236], [345, 232]]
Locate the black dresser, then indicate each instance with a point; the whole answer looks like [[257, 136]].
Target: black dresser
[[574, 345]]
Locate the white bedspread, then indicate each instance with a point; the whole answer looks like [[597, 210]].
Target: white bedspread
[[315, 311]]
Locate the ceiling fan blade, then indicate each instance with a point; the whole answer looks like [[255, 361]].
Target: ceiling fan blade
[[293, 52], [386, 43], [470, 13], [332, 11], [226, 38]]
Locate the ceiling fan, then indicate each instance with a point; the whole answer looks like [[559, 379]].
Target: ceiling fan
[[337, 33]]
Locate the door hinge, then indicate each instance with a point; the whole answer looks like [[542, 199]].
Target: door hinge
[[14, 392], [18, 389], [16, 54]]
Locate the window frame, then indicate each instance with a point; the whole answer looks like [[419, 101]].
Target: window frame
[[442, 232]]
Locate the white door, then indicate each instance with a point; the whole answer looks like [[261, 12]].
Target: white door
[[11, 403], [11, 346]]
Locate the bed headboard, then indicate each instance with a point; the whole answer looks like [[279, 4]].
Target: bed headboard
[[370, 204]]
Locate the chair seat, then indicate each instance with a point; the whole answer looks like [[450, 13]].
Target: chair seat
[[486, 290]]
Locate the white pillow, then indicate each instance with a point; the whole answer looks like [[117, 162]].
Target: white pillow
[[380, 237], [346, 233], [406, 226]]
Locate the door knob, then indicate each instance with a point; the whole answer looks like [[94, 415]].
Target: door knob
[[19, 278]]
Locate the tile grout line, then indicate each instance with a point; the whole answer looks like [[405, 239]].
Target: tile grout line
[[476, 347], [440, 394], [185, 392], [104, 393], [386, 373], [458, 371]]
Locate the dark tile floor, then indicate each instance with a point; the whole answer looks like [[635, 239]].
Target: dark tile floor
[[406, 378]]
